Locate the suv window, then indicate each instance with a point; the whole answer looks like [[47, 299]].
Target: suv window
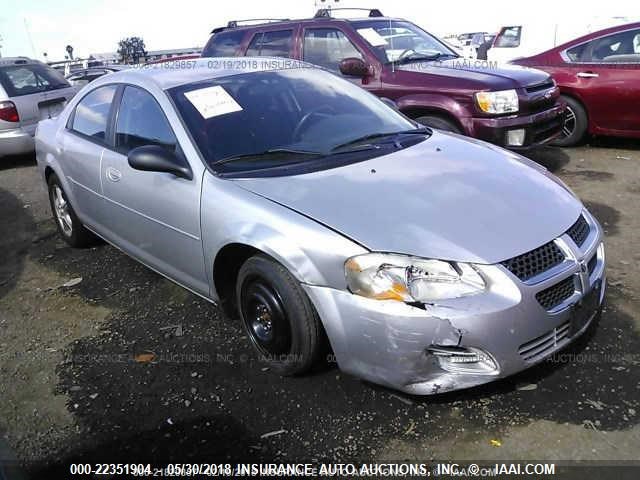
[[271, 44], [509, 37], [141, 121], [92, 113], [621, 47], [326, 47], [20, 80], [224, 44]]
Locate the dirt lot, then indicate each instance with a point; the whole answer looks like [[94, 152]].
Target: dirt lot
[[125, 366]]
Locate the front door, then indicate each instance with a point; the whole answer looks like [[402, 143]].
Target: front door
[[155, 216]]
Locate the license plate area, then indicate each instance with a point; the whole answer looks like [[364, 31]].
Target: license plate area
[[582, 311], [51, 108]]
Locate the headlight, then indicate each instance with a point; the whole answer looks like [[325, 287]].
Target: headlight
[[384, 276], [504, 101]]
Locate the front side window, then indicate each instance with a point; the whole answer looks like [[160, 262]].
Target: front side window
[[92, 113], [400, 41], [327, 47], [275, 117], [271, 44], [20, 80], [224, 44], [509, 37], [622, 47], [141, 121]]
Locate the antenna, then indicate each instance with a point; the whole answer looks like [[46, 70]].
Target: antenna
[[26, 27]]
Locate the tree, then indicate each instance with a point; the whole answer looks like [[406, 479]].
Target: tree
[[131, 50], [69, 50]]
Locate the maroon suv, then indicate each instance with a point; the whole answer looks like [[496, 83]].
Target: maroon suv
[[512, 106]]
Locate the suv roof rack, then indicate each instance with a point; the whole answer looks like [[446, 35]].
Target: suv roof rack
[[236, 23], [326, 12]]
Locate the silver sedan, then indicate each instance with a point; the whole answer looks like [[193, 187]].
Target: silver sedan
[[324, 219]]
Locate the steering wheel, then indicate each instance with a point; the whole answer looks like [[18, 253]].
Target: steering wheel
[[405, 53], [316, 111]]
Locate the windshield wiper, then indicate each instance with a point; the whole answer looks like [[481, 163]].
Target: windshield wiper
[[267, 153], [418, 57], [372, 136]]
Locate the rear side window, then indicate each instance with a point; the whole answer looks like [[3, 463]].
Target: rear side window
[[509, 37], [327, 47], [621, 47], [92, 113], [141, 121], [271, 44], [224, 44], [20, 80]]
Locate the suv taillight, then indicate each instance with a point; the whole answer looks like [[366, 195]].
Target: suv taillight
[[8, 112]]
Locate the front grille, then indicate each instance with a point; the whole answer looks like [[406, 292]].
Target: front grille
[[544, 344], [539, 86], [553, 296], [591, 266], [536, 261], [579, 231]]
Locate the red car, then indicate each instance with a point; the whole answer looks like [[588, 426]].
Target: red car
[[599, 78]]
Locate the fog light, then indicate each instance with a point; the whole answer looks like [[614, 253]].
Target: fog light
[[464, 360], [515, 138]]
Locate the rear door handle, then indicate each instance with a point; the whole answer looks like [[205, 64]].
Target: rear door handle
[[587, 75], [113, 174]]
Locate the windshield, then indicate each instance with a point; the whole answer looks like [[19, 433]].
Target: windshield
[[30, 78], [263, 119], [394, 40]]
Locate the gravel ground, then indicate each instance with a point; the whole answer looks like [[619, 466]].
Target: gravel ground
[[125, 366]]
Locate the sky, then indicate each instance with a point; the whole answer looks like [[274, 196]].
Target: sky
[[32, 27]]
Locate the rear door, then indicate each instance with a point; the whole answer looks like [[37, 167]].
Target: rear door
[[153, 216], [607, 78], [83, 142]]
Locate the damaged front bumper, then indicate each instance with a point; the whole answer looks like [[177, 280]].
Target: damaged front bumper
[[468, 341]]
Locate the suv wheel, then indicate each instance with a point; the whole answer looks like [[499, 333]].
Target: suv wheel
[[439, 123], [280, 321], [68, 224], [575, 124]]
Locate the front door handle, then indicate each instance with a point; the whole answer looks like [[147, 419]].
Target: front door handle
[[113, 174], [588, 75]]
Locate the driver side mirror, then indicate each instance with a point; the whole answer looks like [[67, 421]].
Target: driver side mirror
[[154, 158], [354, 67]]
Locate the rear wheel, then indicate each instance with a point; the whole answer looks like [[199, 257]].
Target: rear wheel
[[438, 122], [279, 319], [67, 222], [575, 124]]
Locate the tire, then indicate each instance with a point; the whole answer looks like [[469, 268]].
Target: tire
[[575, 125], [439, 123], [67, 222], [278, 317]]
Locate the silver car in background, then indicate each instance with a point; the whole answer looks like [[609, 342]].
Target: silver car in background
[[322, 217], [30, 91]]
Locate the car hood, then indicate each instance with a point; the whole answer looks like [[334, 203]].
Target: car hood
[[447, 197], [480, 72]]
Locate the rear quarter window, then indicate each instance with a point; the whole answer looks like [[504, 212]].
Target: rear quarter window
[[224, 44]]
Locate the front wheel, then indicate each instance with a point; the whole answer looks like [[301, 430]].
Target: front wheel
[[67, 222], [575, 124], [280, 321], [439, 123]]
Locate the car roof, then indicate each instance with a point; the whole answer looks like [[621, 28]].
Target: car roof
[[172, 74], [233, 26], [7, 61]]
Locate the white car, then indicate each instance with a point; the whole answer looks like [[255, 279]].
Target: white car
[[30, 91]]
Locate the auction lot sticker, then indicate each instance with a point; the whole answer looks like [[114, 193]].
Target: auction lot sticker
[[213, 101]]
